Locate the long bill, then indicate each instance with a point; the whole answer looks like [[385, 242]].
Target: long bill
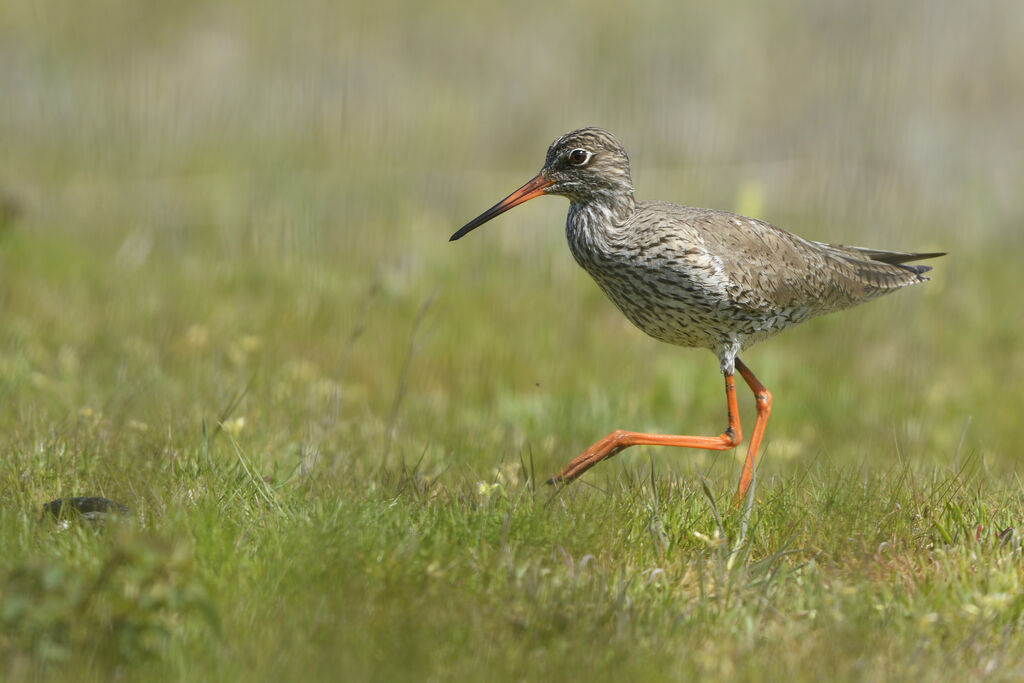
[[534, 188]]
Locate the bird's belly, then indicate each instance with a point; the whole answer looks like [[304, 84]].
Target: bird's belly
[[678, 309]]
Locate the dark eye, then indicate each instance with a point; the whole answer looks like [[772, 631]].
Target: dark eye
[[578, 157]]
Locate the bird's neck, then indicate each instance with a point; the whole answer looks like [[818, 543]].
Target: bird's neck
[[594, 226], [601, 213]]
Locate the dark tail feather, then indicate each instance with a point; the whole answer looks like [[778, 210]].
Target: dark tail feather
[[900, 258], [916, 270]]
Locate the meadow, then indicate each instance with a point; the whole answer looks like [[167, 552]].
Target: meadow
[[227, 300]]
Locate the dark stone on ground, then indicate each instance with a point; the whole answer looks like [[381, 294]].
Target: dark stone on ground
[[91, 508]]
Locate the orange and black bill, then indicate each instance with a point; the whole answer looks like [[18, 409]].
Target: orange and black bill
[[534, 188]]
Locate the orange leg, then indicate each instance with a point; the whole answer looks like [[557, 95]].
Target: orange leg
[[763, 399], [621, 439], [730, 438]]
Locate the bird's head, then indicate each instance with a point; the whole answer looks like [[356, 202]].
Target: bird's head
[[588, 164]]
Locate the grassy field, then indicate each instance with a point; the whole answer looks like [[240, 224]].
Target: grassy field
[[227, 300]]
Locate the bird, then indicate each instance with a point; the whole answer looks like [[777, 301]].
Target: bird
[[696, 277]]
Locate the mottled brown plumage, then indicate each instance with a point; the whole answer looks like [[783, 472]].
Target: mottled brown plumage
[[697, 277]]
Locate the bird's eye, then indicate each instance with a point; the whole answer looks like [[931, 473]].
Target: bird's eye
[[578, 157]]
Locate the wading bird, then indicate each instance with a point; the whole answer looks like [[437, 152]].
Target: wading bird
[[696, 277]]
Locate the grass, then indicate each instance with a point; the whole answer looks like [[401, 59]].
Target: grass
[[227, 301]]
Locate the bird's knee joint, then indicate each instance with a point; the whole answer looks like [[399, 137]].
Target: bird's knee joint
[[764, 400], [734, 439]]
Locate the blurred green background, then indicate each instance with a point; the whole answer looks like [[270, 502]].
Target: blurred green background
[[237, 214], [199, 195]]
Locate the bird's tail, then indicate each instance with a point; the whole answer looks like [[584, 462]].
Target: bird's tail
[[899, 258], [870, 262], [881, 271]]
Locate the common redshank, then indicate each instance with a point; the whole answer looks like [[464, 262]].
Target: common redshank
[[696, 277]]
